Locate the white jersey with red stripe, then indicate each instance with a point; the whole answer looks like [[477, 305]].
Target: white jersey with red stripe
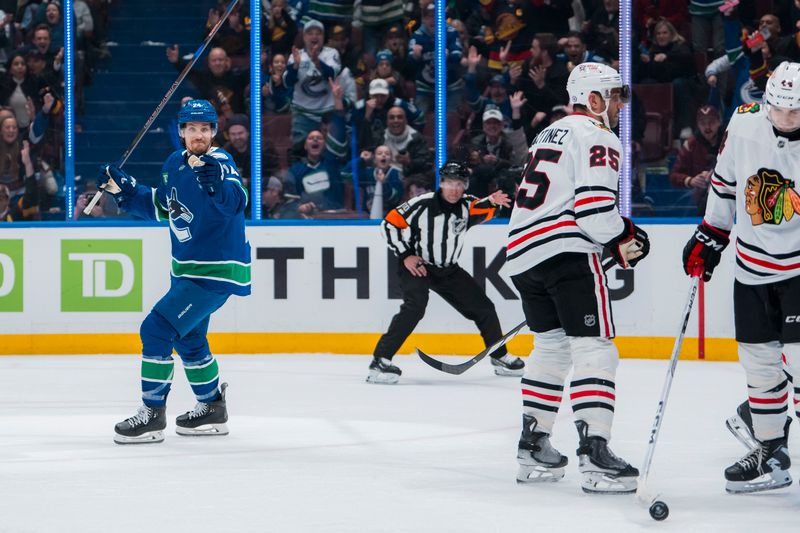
[[754, 183], [567, 199]]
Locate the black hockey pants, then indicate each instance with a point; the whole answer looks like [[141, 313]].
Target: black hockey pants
[[457, 288]]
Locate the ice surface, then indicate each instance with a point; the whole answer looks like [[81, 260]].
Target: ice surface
[[314, 448]]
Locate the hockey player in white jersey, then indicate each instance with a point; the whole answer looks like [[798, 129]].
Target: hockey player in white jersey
[[754, 186], [565, 216]]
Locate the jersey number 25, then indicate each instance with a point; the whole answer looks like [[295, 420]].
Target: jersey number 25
[[536, 178]]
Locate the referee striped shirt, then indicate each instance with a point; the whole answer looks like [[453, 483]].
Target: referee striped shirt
[[430, 227]]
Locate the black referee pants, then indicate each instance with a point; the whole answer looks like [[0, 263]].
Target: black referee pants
[[457, 288]]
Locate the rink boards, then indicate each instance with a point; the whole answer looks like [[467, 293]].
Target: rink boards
[[316, 289]]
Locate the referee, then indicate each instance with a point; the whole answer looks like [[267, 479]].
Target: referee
[[427, 234]]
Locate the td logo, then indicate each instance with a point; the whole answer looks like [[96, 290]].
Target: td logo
[[11, 275], [101, 275]]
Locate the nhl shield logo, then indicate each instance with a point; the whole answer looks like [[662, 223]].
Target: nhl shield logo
[[589, 320]]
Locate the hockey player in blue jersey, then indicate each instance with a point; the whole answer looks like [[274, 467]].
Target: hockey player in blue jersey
[[202, 197]]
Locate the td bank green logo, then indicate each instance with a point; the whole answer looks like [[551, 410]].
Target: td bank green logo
[[11, 275], [101, 275]]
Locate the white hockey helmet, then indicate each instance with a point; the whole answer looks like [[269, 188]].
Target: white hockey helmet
[[782, 97], [587, 78]]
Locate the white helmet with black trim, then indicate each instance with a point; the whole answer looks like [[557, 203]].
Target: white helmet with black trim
[[588, 78], [782, 97]]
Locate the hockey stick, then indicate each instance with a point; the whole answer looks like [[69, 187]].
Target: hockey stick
[[463, 367], [88, 209], [658, 508]]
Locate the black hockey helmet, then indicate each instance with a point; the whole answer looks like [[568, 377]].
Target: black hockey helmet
[[455, 170]]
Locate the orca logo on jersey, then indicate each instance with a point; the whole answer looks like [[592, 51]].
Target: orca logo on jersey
[[769, 198], [178, 212]]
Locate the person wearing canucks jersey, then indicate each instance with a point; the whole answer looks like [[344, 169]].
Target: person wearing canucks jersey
[[202, 197]]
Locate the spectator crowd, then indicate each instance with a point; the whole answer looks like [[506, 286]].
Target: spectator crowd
[[31, 99], [348, 90]]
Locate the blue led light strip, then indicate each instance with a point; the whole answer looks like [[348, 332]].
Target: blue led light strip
[[255, 109], [625, 65], [440, 106], [69, 110]]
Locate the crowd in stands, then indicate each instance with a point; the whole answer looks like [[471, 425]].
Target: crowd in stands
[[31, 99], [507, 63], [348, 89]]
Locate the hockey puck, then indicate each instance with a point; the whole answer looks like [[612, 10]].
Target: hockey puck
[[659, 511]]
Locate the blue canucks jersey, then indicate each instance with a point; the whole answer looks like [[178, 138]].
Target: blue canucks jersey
[[209, 244]]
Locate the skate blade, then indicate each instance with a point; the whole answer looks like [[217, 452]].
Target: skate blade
[[739, 429], [773, 480], [500, 371], [538, 474], [382, 378], [151, 437], [206, 430], [603, 483]]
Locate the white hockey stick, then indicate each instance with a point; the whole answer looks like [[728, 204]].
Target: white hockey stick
[[657, 507], [88, 209]]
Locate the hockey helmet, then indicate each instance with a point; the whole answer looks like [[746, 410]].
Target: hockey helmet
[[588, 78], [455, 170], [782, 97], [198, 111]]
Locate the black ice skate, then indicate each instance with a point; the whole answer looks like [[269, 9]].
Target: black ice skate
[[145, 427], [603, 472], [381, 370], [764, 468], [538, 460], [206, 419], [741, 425], [508, 365]]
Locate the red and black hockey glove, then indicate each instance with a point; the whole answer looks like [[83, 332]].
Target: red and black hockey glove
[[630, 246], [703, 251]]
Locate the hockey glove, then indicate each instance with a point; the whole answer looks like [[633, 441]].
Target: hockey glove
[[116, 182], [208, 172], [631, 246], [704, 249]]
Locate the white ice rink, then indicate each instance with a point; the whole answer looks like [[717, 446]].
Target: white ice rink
[[313, 448]]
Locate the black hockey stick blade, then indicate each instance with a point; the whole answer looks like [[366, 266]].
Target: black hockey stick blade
[[463, 367]]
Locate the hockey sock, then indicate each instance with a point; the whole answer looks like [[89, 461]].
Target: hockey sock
[[593, 402], [795, 389], [157, 375], [203, 376], [541, 399], [768, 408]]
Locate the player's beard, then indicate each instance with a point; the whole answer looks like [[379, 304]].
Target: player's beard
[[198, 146]]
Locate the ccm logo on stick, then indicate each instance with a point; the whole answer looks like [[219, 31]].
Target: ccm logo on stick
[[793, 319]]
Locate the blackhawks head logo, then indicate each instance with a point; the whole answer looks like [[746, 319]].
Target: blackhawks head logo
[[769, 198]]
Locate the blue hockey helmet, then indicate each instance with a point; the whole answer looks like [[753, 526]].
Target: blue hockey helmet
[[197, 111]]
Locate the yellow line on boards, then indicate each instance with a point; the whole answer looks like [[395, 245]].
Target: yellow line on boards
[[340, 343]]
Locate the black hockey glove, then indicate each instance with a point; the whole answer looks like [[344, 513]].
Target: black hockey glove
[[630, 246], [116, 182], [208, 173], [703, 251]]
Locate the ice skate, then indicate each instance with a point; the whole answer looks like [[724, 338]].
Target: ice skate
[[381, 370], [764, 468], [508, 365], [603, 472], [145, 427], [206, 419], [741, 426], [538, 460]]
